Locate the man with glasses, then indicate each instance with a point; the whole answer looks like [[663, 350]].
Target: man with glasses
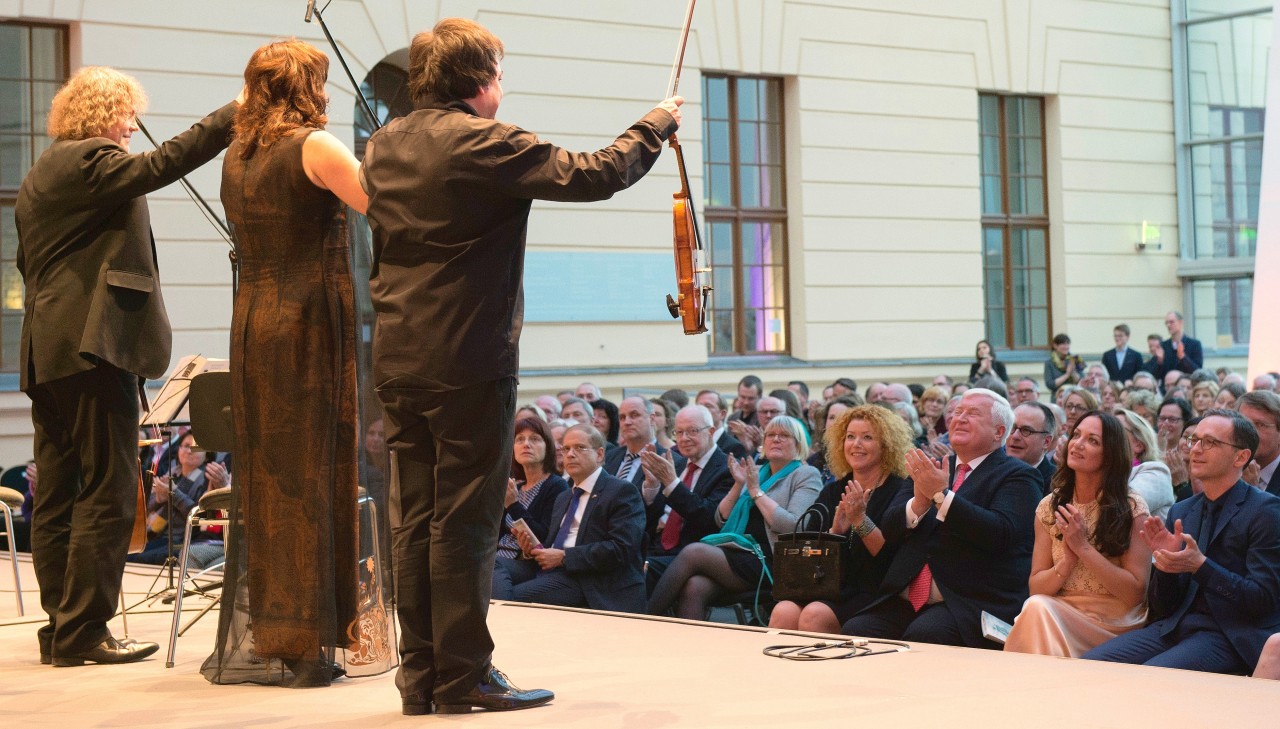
[[676, 507], [1215, 592], [590, 556], [1024, 390], [1032, 437], [1262, 408]]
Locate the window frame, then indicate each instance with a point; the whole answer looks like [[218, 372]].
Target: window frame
[[736, 216], [1007, 223]]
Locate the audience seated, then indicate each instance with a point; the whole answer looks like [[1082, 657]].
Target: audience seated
[[1265, 382], [604, 416], [790, 403], [868, 447], [932, 403], [724, 440], [636, 430], [664, 421], [1180, 468], [679, 501], [1203, 395], [1024, 390], [874, 392], [828, 414], [577, 410], [172, 499], [677, 397], [1216, 594], [1146, 381], [965, 536], [912, 420], [1110, 400], [750, 390], [1141, 401], [588, 391], [1262, 408], [532, 491], [1090, 566], [761, 504], [1149, 477], [1171, 418], [1031, 439], [894, 393], [549, 406], [590, 554], [752, 436], [1227, 396], [994, 384]]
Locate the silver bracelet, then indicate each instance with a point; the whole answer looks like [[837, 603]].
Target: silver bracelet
[[862, 530]]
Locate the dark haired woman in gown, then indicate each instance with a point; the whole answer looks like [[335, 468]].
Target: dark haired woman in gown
[[303, 598]]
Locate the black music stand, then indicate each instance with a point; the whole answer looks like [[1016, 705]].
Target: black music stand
[[210, 409]]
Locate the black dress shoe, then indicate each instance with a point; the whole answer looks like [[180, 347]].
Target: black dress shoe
[[416, 705], [109, 651], [494, 693], [46, 659]]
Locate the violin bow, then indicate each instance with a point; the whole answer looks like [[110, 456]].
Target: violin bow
[[364, 103]]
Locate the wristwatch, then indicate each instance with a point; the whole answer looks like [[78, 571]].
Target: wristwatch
[[940, 497]]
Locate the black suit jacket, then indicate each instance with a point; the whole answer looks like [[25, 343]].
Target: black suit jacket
[[88, 259], [605, 559], [1273, 487], [613, 460], [1190, 363], [1124, 371], [1046, 469], [1241, 577], [696, 507], [731, 445], [981, 555]]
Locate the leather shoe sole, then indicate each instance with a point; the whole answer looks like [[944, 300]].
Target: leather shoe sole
[[525, 700], [109, 651], [416, 708]]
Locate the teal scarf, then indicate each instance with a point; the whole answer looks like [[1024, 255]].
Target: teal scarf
[[733, 534]]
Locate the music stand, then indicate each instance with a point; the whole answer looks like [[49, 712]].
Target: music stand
[[170, 409], [210, 411]]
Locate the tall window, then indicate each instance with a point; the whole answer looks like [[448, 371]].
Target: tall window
[[33, 65], [745, 214], [1015, 221]]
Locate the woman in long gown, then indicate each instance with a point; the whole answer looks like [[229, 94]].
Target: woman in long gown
[[1090, 567], [301, 582]]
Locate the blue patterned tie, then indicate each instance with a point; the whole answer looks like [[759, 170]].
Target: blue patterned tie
[[563, 533]]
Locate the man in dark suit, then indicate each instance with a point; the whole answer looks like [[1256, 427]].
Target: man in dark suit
[[1122, 363], [966, 538], [1178, 352], [94, 322], [450, 189], [1031, 439], [719, 409], [1215, 593], [677, 506], [750, 390], [635, 431], [1262, 408], [592, 558]]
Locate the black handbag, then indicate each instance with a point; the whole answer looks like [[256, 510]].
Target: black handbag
[[808, 566]]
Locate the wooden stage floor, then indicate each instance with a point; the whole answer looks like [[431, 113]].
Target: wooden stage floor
[[611, 671]]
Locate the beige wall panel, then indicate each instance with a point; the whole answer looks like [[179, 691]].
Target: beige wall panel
[[203, 306], [858, 200], [212, 343], [884, 268], [894, 133], [920, 100], [1121, 268], [1108, 207], [1120, 177], [1113, 145], [884, 340], [189, 263], [873, 302], [1106, 238], [843, 59], [588, 230], [1122, 114], [825, 233], [1091, 79], [876, 167]]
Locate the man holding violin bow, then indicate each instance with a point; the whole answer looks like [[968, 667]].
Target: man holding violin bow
[[450, 191]]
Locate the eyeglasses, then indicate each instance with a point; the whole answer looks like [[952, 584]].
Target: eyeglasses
[[690, 432], [1027, 431], [1169, 419], [1074, 408], [1209, 443], [775, 435]]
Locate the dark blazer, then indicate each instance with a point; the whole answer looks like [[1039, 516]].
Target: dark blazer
[[695, 507], [1190, 363], [87, 256], [981, 555], [731, 445], [449, 200], [613, 460], [605, 559], [1241, 577], [538, 514], [1273, 487], [1124, 371], [1046, 469]]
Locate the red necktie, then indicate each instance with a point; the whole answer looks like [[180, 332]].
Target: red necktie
[[671, 532], [918, 591]]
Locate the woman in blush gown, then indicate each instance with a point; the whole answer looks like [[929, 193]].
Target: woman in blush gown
[[1090, 567], [303, 597]]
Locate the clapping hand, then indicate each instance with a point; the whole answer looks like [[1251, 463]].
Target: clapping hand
[[929, 476], [852, 509], [1179, 553], [1071, 525], [513, 493], [160, 489], [1158, 537], [216, 474], [750, 436], [659, 470]]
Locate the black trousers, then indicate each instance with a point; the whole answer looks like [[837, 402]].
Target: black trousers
[[86, 449], [451, 457]]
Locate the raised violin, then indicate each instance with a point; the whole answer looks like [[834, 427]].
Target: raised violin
[[690, 303]]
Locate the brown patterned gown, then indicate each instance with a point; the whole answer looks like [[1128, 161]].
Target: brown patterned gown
[[301, 586]]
